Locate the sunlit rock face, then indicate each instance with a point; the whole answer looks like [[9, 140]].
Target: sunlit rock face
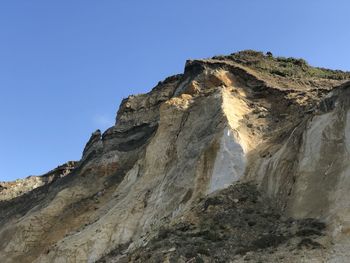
[[240, 157], [229, 163]]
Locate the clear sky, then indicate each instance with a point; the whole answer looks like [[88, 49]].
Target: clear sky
[[65, 65]]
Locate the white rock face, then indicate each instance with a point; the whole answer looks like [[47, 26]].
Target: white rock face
[[230, 163]]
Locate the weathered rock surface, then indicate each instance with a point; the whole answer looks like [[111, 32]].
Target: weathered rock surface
[[10, 190], [240, 158]]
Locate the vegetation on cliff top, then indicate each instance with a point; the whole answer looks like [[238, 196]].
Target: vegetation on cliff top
[[283, 67]]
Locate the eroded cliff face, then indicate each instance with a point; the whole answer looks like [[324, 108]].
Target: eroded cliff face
[[11, 190], [241, 157]]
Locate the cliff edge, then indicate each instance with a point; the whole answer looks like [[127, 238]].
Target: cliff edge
[[241, 158]]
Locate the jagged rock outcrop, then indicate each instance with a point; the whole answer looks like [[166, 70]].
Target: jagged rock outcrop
[[10, 190], [241, 157]]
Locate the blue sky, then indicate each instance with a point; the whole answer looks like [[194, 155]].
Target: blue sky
[[65, 65]]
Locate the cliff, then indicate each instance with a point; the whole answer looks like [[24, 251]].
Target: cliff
[[241, 158], [11, 190]]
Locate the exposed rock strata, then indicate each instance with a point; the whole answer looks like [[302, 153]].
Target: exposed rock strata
[[10, 190], [244, 155]]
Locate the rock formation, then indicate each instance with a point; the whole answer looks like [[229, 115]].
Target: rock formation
[[10, 190], [241, 158]]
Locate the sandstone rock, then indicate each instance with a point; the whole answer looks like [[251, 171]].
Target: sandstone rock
[[10, 190], [240, 157]]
